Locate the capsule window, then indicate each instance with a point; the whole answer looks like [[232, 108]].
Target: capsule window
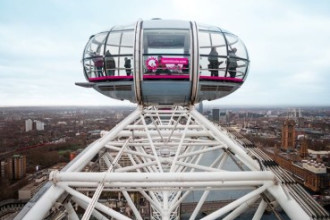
[[95, 45], [166, 52], [213, 53], [93, 56], [119, 53], [234, 43]]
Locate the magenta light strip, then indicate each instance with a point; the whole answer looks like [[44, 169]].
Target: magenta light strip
[[213, 78], [94, 79], [218, 78], [166, 77]]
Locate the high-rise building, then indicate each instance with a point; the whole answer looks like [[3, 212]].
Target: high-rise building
[[3, 169], [288, 135], [303, 148], [40, 126], [34, 125], [216, 114], [16, 167], [28, 125]]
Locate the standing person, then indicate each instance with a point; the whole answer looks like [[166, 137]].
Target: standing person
[[232, 63], [128, 66], [110, 64], [213, 62], [98, 63]]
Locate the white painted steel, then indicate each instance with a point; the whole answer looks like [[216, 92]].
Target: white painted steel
[[84, 205], [260, 211], [71, 213], [166, 177], [131, 205], [100, 187], [85, 158], [45, 203], [164, 152], [236, 203], [241, 209], [98, 205], [288, 204], [248, 161], [137, 63], [199, 205]]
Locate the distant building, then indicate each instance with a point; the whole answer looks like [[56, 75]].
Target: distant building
[[3, 169], [34, 125], [28, 125], [216, 115], [303, 148], [28, 191], [311, 174], [40, 126], [288, 135], [13, 168], [19, 166]]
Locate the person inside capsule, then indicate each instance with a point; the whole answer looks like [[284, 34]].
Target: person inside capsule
[[98, 63], [110, 64], [214, 62], [232, 63], [128, 66]]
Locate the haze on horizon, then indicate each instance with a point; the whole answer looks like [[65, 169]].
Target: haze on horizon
[[41, 45]]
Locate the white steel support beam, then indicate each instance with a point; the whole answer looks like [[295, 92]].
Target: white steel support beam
[[289, 205], [165, 157], [85, 158], [98, 205], [157, 177], [199, 205], [236, 203], [100, 187], [177, 185], [71, 213], [241, 209], [260, 211], [131, 205], [152, 146], [45, 203], [84, 205], [248, 161]]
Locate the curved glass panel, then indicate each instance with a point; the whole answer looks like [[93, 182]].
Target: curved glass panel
[[127, 40], [213, 53], [235, 43], [212, 66], [124, 27], [119, 53], [208, 40], [206, 27], [166, 52], [117, 59], [95, 45], [113, 43], [93, 56]]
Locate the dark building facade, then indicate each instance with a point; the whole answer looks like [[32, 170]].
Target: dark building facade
[[288, 135]]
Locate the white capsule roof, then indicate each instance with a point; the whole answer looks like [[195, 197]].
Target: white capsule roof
[[165, 62]]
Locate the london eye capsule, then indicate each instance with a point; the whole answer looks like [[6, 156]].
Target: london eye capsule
[[165, 62]]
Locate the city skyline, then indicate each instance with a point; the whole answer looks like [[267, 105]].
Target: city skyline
[[42, 43]]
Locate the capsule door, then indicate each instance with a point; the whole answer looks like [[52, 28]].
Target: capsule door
[[166, 61]]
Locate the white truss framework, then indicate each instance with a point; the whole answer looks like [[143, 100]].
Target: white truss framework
[[166, 150]]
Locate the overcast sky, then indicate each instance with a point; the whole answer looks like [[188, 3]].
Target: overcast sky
[[41, 44]]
